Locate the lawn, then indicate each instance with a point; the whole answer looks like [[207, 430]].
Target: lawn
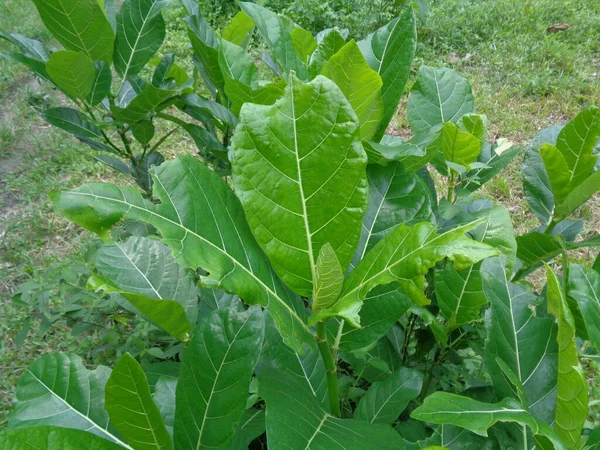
[[524, 78]]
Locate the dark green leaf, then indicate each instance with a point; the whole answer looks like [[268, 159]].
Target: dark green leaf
[[495, 158], [72, 121], [143, 131], [584, 300], [143, 103], [72, 72], [205, 45], [101, 85], [53, 438], [215, 376], [251, 427], [164, 397]]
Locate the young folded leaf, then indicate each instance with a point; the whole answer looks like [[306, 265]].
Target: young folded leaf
[[328, 281]]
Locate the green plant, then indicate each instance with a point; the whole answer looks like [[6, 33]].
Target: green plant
[[340, 295]]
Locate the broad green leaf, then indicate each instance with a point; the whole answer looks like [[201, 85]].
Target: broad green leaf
[[494, 161], [169, 370], [131, 408], [576, 142], [251, 427], [79, 25], [360, 84], [164, 397], [475, 416], [385, 400], [53, 438], [197, 104], [377, 363], [239, 93], [572, 396], [72, 72], [143, 103], [205, 44], [237, 64], [578, 195], [524, 342], [58, 390], [390, 51], [140, 33], [395, 196], [438, 96], [404, 256], [329, 279], [72, 121], [459, 147], [165, 313], [101, 85], [143, 131], [30, 47], [536, 185], [593, 441], [215, 376], [584, 298], [295, 419], [238, 29], [328, 46], [276, 31], [220, 241], [304, 43], [293, 208], [557, 170], [413, 154], [475, 124]]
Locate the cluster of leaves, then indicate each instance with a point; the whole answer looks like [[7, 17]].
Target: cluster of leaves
[[341, 297]]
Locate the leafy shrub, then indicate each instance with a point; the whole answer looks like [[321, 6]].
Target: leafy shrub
[[344, 302]]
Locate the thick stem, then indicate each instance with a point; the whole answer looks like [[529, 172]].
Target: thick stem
[[451, 187], [550, 227], [330, 368]]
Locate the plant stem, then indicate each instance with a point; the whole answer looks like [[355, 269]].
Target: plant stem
[[451, 187], [330, 368], [429, 375], [407, 335], [551, 227]]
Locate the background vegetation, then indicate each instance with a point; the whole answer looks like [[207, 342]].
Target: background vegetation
[[524, 78]]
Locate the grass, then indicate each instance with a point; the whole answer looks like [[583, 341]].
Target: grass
[[523, 78]]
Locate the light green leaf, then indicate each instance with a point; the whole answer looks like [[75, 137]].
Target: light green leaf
[[458, 146], [295, 419], [578, 195], [101, 85], [438, 96], [72, 72], [475, 124], [446, 408], [304, 43], [329, 279], [131, 408], [584, 299], [385, 400], [404, 256], [524, 342], [72, 121], [220, 242], [328, 46], [79, 25], [390, 51], [292, 208], [215, 376], [557, 170], [53, 438], [146, 267], [572, 396], [239, 93], [164, 397], [140, 33], [360, 84], [166, 314], [58, 390], [238, 29], [205, 44], [395, 197], [276, 30], [237, 64]]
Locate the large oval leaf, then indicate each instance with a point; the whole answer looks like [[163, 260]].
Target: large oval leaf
[[300, 174], [72, 72], [53, 438]]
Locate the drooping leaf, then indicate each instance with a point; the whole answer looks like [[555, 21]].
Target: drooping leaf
[[395, 196], [164, 397], [584, 301], [295, 419], [292, 209], [329, 279], [385, 400], [72, 72], [328, 46], [101, 85], [53, 438], [58, 390], [360, 84], [438, 96], [79, 25], [476, 416], [143, 131], [276, 31], [214, 378], [304, 43], [30, 47], [131, 408], [140, 33], [72, 121], [404, 256], [143, 103], [524, 342], [205, 44], [239, 93], [572, 396], [197, 105], [238, 29], [390, 51], [220, 242]]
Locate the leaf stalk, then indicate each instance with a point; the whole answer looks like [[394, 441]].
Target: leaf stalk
[[330, 369]]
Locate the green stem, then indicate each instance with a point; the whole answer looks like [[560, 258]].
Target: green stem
[[550, 227], [171, 118], [330, 368], [429, 375], [451, 187]]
